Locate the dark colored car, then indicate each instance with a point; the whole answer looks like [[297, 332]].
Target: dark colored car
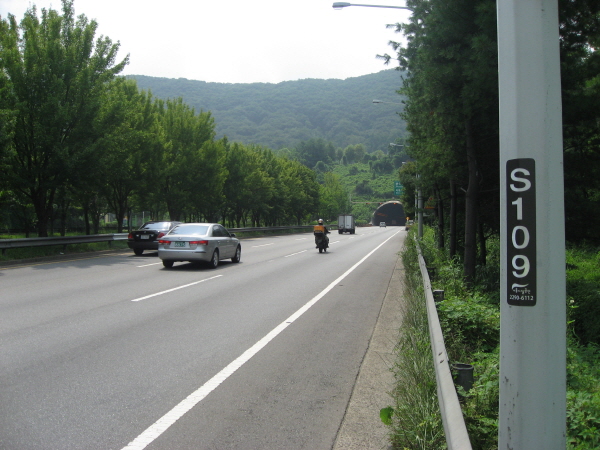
[[146, 238]]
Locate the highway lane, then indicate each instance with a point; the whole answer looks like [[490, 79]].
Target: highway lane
[[94, 352]]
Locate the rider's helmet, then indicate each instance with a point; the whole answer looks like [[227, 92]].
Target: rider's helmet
[[321, 221]]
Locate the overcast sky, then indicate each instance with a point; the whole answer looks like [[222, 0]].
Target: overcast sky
[[240, 41]]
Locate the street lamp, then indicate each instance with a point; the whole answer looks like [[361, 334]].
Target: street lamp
[[340, 5]]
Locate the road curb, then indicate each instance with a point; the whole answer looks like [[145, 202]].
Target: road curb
[[362, 427]]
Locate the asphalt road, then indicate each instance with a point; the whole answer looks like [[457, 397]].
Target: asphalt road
[[113, 351]]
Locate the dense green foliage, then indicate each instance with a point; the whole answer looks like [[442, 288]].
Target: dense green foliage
[[451, 91], [583, 279], [580, 76], [452, 111], [52, 80], [451, 114], [284, 114], [470, 320], [365, 188], [78, 142]]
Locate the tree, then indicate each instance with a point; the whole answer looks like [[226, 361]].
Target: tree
[[122, 157], [304, 190], [314, 150], [54, 76], [208, 179], [182, 134], [333, 198], [354, 153], [452, 110], [580, 76], [236, 188], [274, 167]]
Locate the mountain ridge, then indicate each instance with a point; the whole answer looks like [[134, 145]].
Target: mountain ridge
[[281, 115]]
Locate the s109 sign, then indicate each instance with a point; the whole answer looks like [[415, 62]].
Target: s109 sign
[[521, 230]]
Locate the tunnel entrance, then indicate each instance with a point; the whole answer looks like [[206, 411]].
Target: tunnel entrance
[[392, 213]]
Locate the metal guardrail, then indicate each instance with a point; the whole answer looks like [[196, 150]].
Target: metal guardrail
[[93, 238], [64, 241], [455, 429]]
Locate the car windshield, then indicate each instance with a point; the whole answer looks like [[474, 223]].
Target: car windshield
[[190, 230], [156, 226]]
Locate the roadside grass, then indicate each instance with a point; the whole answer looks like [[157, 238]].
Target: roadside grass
[[583, 288], [416, 421], [583, 350], [470, 320]]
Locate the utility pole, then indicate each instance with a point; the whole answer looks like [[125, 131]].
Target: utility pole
[[533, 289]]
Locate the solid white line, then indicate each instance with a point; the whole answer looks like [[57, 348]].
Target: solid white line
[[147, 265], [174, 289], [297, 253], [163, 424]]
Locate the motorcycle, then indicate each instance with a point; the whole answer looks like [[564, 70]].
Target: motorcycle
[[321, 240]]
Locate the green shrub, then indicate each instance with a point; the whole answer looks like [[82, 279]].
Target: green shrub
[[583, 420], [583, 368], [470, 321], [480, 405], [583, 396], [583, 288], [469, 325]]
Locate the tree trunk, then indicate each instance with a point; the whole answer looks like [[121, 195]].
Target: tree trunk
[[440, 213], [42, 206], [120, 213], [129, 224], [64, 208], [470, 259], [97, 211], [482, 246], [452, 249], [86, 218]]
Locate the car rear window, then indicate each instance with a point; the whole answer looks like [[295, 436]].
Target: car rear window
[[193, 230], [156, 226]]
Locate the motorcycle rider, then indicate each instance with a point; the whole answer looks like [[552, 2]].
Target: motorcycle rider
[[321, 230]]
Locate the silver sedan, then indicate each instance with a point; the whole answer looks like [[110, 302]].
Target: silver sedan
[[204, 242]]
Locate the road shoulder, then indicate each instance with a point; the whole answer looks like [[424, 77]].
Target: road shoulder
[[362, 427]]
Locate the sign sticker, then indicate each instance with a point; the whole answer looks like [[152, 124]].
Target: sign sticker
[[521, 229]]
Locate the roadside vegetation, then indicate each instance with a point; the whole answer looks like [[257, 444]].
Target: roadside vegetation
[[112, 152], [470, 320], [91, 144]]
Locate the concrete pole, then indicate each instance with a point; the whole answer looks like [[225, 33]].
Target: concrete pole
[[533, 297]]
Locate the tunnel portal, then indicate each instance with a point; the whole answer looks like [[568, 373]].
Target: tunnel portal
[[392, 213]]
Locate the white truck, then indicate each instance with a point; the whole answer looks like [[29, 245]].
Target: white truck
[[346, 224]]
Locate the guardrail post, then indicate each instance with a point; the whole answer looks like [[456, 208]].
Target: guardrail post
[[463, 375]]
